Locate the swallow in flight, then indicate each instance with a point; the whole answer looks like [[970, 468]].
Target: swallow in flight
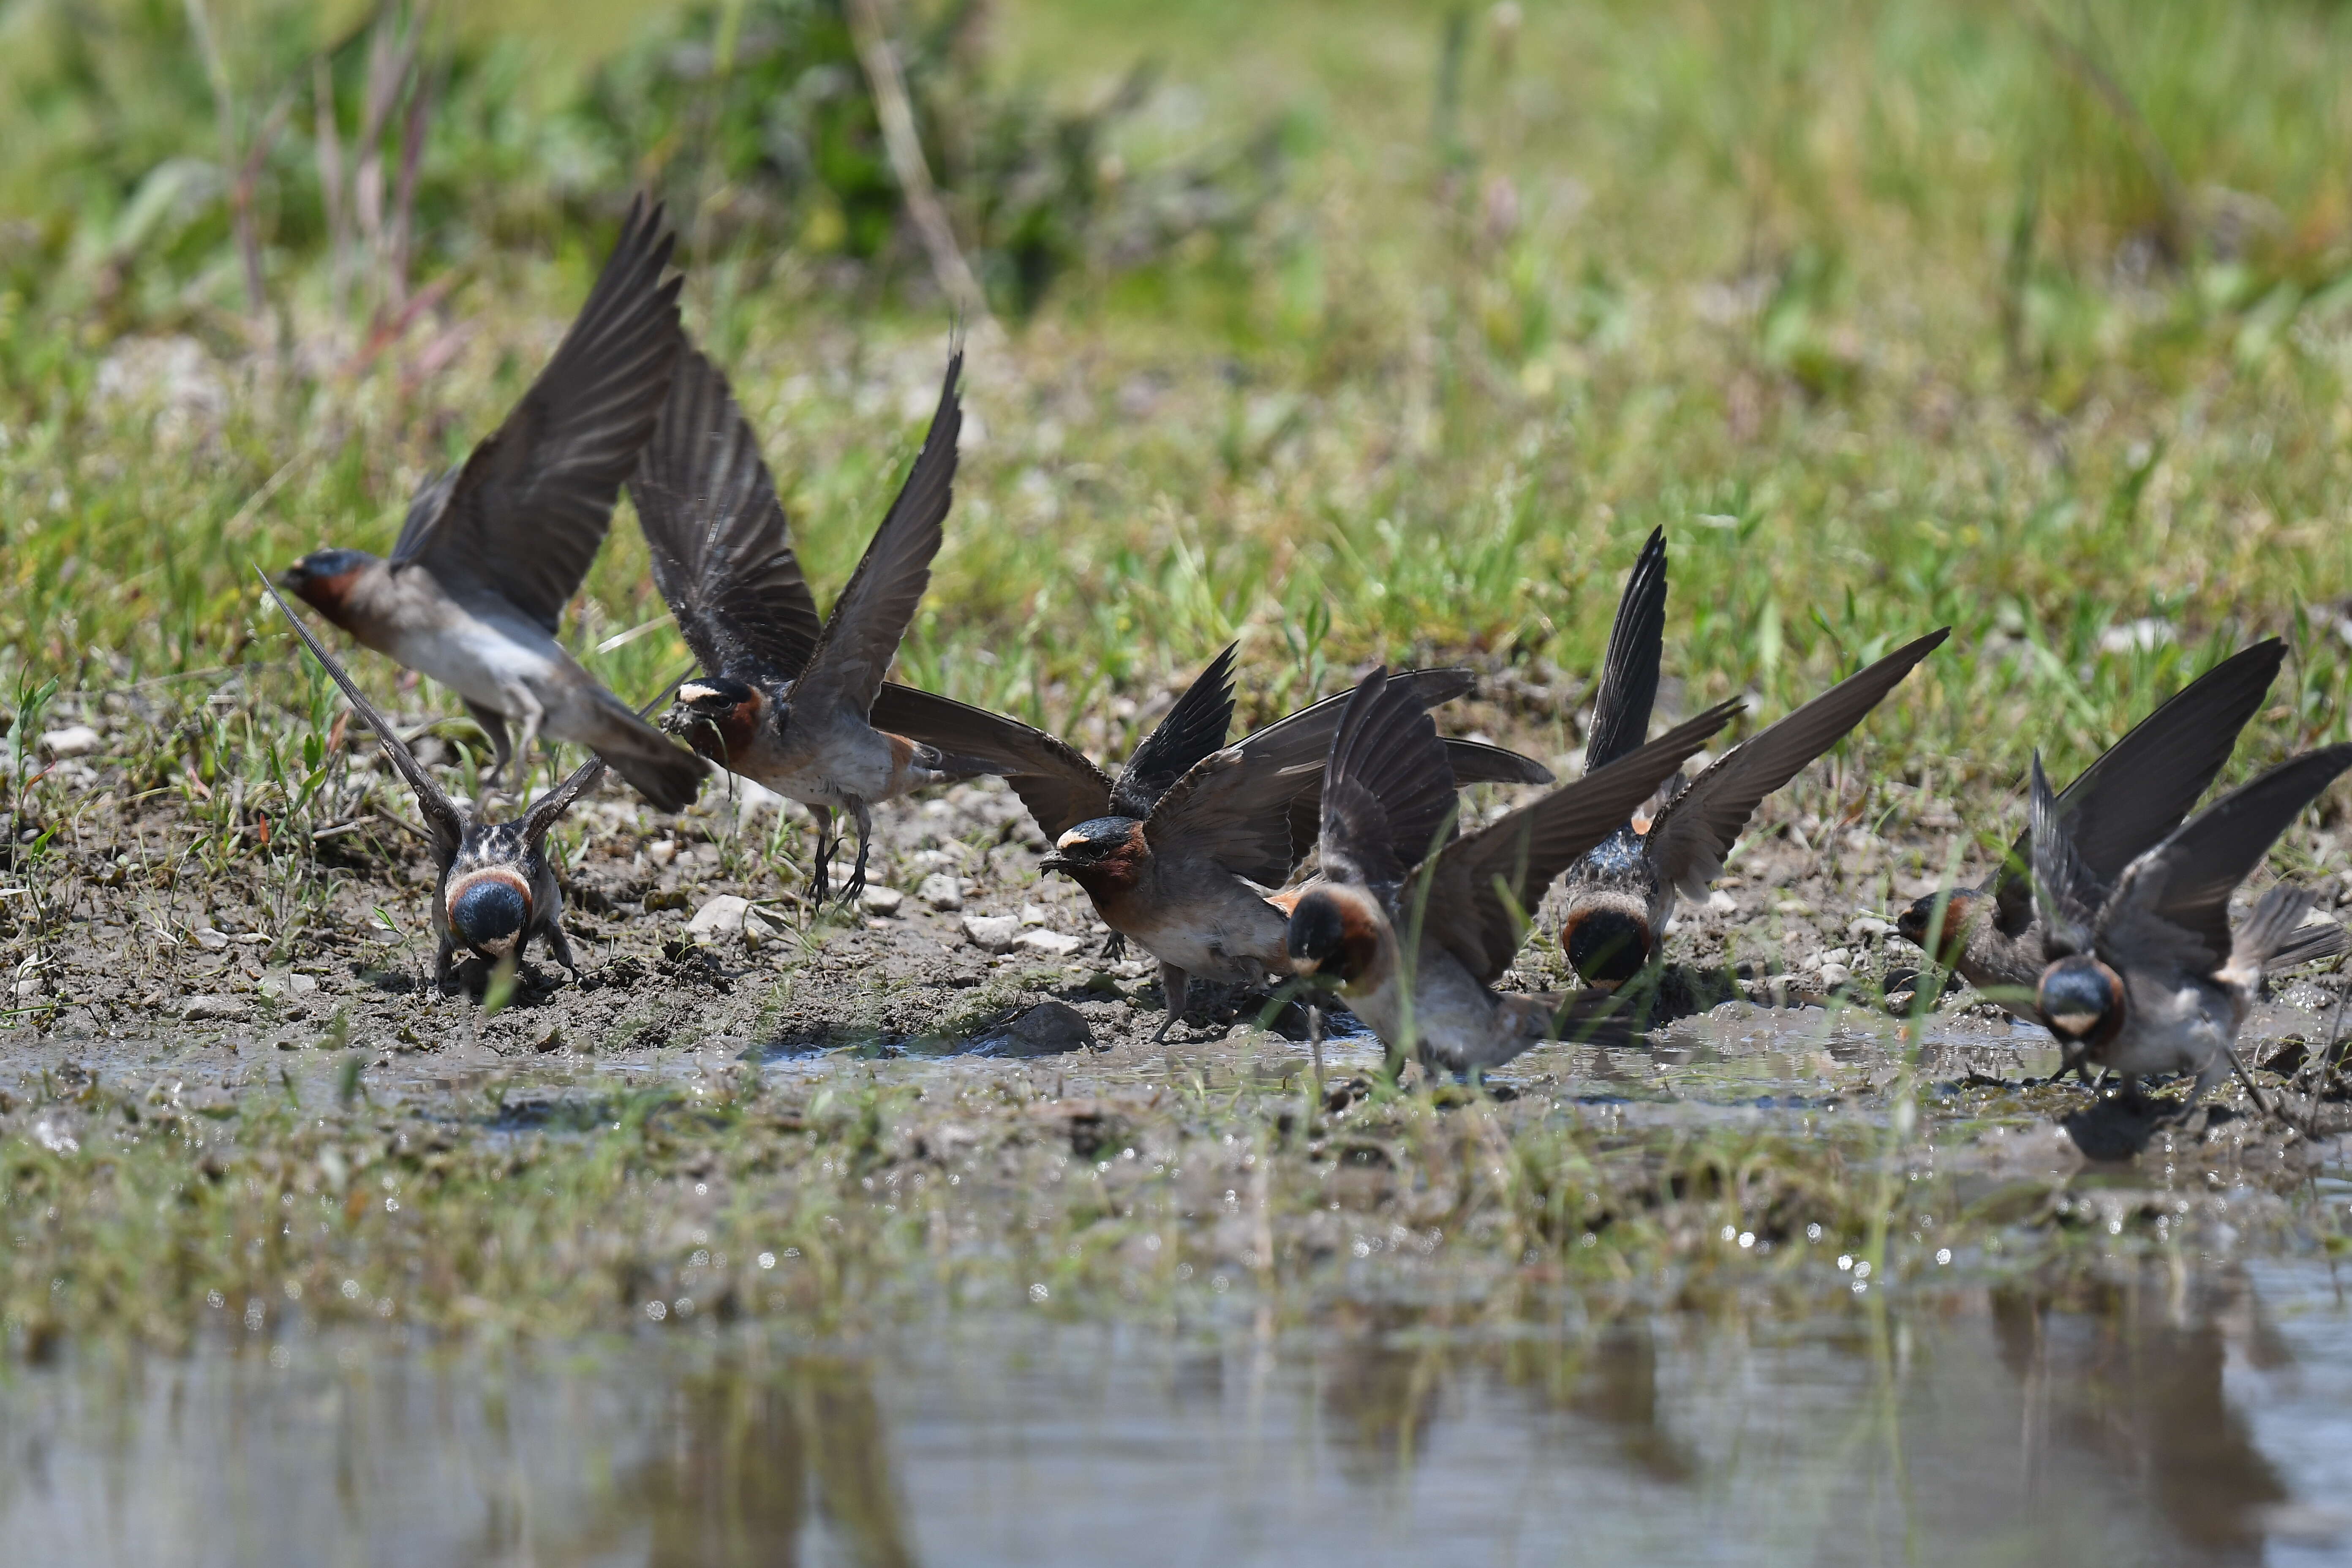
[[492, 550]]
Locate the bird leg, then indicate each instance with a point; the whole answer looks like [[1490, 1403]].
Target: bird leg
[[442, 961], [1174, 983], [559, 947], [820, 876], [1114, 947], [865, 820]]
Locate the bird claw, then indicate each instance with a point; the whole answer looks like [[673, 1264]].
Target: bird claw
[[1114, 947]]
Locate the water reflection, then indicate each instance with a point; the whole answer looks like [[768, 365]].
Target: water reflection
[[2166, 1419]]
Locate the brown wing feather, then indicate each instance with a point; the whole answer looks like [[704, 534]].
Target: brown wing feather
[[1060, 787], [871, 616], [721, 550], [525, 514], [1686, 845]]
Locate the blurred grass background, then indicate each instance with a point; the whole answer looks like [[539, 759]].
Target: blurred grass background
[[1353, 330]]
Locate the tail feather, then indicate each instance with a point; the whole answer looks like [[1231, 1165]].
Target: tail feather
[[2315, 942], [2269, 931]]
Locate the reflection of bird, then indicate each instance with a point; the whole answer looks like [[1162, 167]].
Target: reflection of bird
[[1417, 948], [493, 550], [2148, 977], [1169, 852], [1620, 895], [792, 703], [497, 890], [2131, 797]]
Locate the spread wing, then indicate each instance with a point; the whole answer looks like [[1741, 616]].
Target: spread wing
[[1388, 787], [2064, 891], [1060, 787], [1628, 672], [525, 514], [1195, 730], [2145, 784], [2174, 901], [1483, 886], [444, 819], [853, 652], [1473, 762], [549, 809], [721, 554], [1686, 845]]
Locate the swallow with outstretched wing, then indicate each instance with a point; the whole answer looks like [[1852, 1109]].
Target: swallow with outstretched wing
[[492, 550]]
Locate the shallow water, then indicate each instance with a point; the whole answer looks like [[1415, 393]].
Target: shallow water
[[2172, 1419]]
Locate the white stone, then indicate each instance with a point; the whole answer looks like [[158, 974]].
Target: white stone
[[210, 940], [991, 933], [1867, 928], [73, 741], [942, 892], [1834, 975], [721, 916], [1051, 943], [883, 902], [1721, 902], [202, 1007], [1033, 914]]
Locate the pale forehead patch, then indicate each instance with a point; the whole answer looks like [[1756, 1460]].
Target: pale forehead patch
[[2076, 1023], [695, 691], [1070, 839]]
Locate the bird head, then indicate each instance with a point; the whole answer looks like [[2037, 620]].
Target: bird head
[[1608, 946], [324, 578], [1332, 934], [2081, 1001], [1915, 922], [489, 909], [717, 715], [1105, 854]]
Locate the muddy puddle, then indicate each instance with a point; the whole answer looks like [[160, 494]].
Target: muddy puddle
[[2159, 1419]]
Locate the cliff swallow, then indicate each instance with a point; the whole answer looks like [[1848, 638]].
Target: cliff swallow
[[1417, 948], [792, 703], [497, 890], [1620, 895], [491, 551], [2148, 977], [1179, 852], [2119, 807]]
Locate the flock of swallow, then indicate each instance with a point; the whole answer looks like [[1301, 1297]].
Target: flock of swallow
[[1323, 848]]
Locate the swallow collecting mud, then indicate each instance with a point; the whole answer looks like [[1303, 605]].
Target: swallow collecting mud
[[1417, 948], [2148, 977], [2119, 807], [497, 890], [492, 550], [792, 703], [1178, 853], [1620, 895]]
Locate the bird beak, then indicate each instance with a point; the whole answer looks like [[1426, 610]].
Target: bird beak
[[1057, 863]]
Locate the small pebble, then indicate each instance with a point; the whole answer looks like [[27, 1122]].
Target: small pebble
[[991, 933], [73, 741], [884, 902], [1052, 944], [942, 892]]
